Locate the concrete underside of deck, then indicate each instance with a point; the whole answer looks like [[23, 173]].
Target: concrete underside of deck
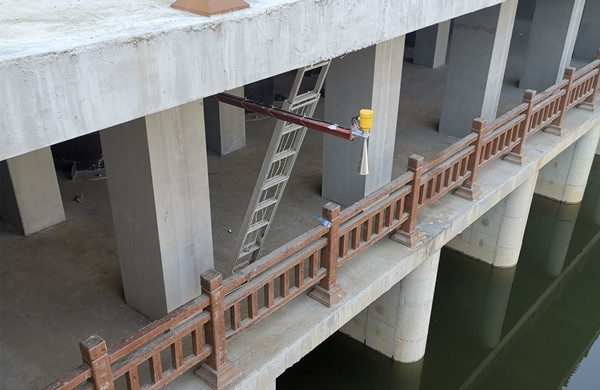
[[61, 285]]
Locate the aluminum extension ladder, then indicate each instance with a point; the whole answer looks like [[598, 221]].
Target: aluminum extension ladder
[[276, 169]]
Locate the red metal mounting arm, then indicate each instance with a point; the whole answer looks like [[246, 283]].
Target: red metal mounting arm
[[310, 123]]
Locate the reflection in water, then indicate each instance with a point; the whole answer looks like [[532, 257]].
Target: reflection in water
[[535, 326]]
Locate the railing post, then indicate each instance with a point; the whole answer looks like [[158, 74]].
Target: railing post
[[408, 234], [217, 371], [468, 190], [94, 354], [516, 156], [556, 127], [589, 104], [328, 292]]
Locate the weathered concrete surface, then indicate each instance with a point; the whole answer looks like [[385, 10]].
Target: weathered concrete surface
[[496, 237], [158, 184], [588, 37], [300, 326], [369, 79], [77, 67], [431, 45], [565, 178], [225, 125], [551, 42], [476, 64], [30, 198]]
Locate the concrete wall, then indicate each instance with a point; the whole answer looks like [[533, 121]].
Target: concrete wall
[[146, 58]]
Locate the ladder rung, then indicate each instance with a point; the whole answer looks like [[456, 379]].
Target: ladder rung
[[304, 100], [265, 203], [274, 181], [246, 253], [290, 127], [281, 155], [257, 225]]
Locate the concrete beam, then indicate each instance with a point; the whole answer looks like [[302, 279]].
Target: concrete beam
[[476, 64], [369, 78], [225, 125], [62, 85], [588, 37], [497, 236], [551, 42], [564, 178], [431, 45], [158, 185], [29, 195]]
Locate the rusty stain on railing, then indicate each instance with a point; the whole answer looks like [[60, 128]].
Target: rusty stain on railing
[[249, 295]]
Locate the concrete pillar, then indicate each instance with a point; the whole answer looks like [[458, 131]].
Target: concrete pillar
[[397, 323], [476, 64], [29, 194], [225, 125], [588, 37], [551, 42], [496, 237], [565, 177], [369, 78], [431, 44], [158, 185]]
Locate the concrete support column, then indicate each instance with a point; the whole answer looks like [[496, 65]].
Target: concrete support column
[[431, 44], [551, 42], [496, 237], [29, 194], [369, 78], [397, 323], [476, 64], [588, 37], [565, 177], [158, 185], [225, 125]]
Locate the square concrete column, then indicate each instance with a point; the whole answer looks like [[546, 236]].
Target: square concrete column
[[431, 44], [158, 184], [588, 37], [476, 64], [29, 195], [225, 125], [397, 323], [565, 177], [496, 237], [551, 42], [369, 78]]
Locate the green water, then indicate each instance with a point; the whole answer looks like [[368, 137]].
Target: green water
[[536, 326]]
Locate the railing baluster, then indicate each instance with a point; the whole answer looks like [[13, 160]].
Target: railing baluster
[[367, 230], [469, 190], [156, 368], [517, 156], [299, 275], [388, 216], [236, 320], [284, 284], [197, 343], [328, 292], [132, 380], [344, 245], [378, 222], [589, 103], [408, 234], [94, 354], [313, 265], [556, 127], [177, 354], [253, 305], [269, 294], [217, 371]]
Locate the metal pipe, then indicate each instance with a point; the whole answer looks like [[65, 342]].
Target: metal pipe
[[310, 123]]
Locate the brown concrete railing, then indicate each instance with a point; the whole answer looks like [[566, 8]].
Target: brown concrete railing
[[204, 325]]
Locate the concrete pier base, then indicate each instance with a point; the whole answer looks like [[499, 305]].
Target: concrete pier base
[[29, 195], [476, 64], [225, 125], [158, 184], [496, 237], [551, 42], [565, 177], [368, 78], [431, 45], [397, 323]]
